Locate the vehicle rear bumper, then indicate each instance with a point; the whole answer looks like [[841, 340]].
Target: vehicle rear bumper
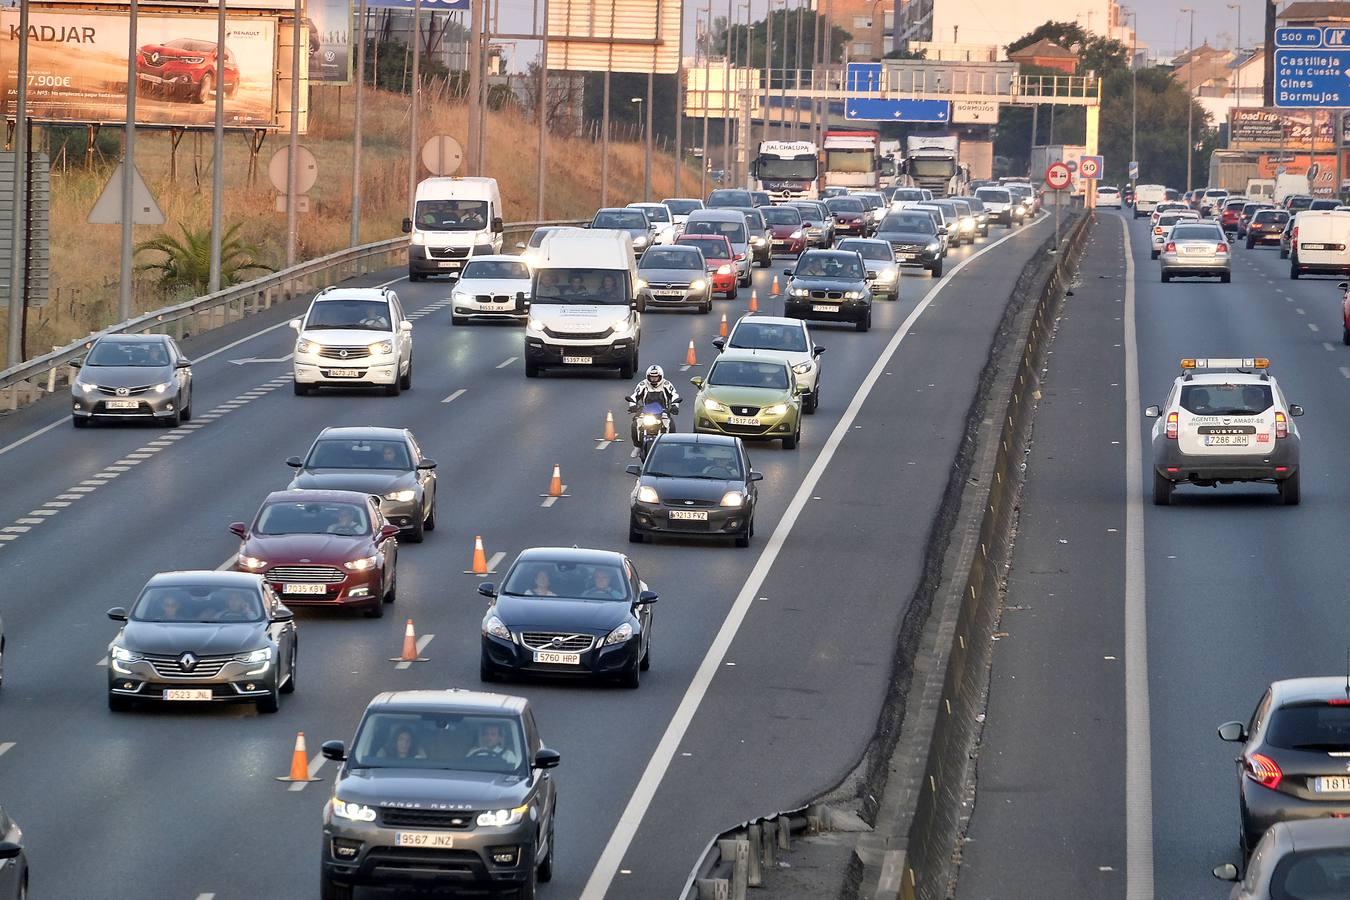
[[1264, 807], [1172, 464]]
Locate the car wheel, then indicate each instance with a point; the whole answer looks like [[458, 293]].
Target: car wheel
[[1289, 490], [1284, 254], [1225, 278], [865, 322], [743, 539], [1250, 243], [374, 610], [486, 672], [459, 320], [531, 369], [733, 293], [936, 271], [632, 677], [333, 890], [430, 523], [1293, 270], [1162, 490], [812, 401], [83, 422], [414, 277], [706, 307], [1166, 276], [1153, 254], [300, 389], [392, 594], [393, 389], [1345, 337], [405, 382], [204, 89], [289, 686], [418, 532], [174, 420], [187, 409], [790, 442], [545, 867], [270, 703], [117, 703], [635, 536]]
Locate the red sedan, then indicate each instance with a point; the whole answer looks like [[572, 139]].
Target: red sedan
[[721, 260], [789, 234], [322, 548]]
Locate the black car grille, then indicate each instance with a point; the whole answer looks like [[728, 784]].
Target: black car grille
[[392, 817], [495, 298], [124, 392], [827, 295], [569, 643], [579, 335], [692, 504], [167, 666], [906, 247], [305, 574], [667, 287], [745, 410], [447, 252], [344, 352]]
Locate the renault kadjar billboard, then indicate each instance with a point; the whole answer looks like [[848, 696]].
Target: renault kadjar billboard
[[77, 68]]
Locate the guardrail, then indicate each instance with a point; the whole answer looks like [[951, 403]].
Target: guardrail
[[31, 380], [742, 857]]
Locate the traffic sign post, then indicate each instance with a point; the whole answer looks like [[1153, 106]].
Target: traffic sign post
[[1057, 178], [1134, 170]]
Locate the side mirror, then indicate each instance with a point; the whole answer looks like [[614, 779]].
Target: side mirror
[[756, 476], [647, 597], [294, 462], [942, 229], [183, 364], [405, 326], [720, 343], [697, 381], [816, 351], [387, 531], [282, 614], [488, 589], [1152, 412], [800, 389], [76, 362], [9, 850], [1295, 410], [547, 759], [407, 226], [240, 530], [1226, 872], [497, 225], [427, 465], [633, 469], [1233, 732], [334, 750], [117, 614], [295, 324], [787, 272]]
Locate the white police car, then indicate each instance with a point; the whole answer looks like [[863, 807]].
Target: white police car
[[1225, 421]]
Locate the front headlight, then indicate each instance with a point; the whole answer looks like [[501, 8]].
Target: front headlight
[[800, 292], [647, 494], [304, 346], [161, 388], [353, 812], [698, 285], [804, 368], [796, 236], [382, 348], [122, 654], [639, 285], [933, 246], [853, 295], [500, 818], [460, 296], [401, 496], [252, 562], [535, 324], [711, 405], [732, 498], [647, 420], [886, 275], [724, 269], [419, 239], [86, 387], [255, 656], [639, 242], [776, 409], [623, 633], [361, 565], [497, 628]]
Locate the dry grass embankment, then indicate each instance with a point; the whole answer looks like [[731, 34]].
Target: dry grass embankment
[[84, 278]]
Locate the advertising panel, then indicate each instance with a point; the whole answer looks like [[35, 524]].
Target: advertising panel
[[1268, 128], [77, 68], [330, 41], [1272, 165]]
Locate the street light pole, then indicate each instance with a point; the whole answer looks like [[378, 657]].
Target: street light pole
[[1190, 99], [1238, 7], [705, 159], [768, 67], [1134, 92]]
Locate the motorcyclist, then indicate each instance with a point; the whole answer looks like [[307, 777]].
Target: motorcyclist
[[654, 388]]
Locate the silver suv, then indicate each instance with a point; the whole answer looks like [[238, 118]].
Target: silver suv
[[441, 789], [353, 337]]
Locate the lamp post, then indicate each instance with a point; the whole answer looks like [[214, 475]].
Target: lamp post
[[1134, 91], [646, 132], [706, 159], [1238, 8], [1190, 98]]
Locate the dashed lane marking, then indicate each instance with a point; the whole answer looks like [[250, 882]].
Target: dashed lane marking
[[1345, 371], [5, 747], [1328, 346], [549, 501], [1313, 328], [509, 360], [315, 765], [457, 394], [421, 645]]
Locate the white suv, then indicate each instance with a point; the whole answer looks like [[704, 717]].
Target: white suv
[[353, 336]]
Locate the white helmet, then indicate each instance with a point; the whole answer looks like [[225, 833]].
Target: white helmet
[[655, 374]]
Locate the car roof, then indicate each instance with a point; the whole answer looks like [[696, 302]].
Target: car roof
[[135, 338], [1303, 690], [840, 254], [770, 320], [721, 214], [855, 240], [350, 293], [496, 257], [307, 496], [364, 431], [1307, 835], [690, 437], [571, 554], [612, 209], [206, 577], [738, 354], [450, 701]]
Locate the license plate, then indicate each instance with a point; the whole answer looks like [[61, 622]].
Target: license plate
[[344, 373], [432, 839], [187, 694], [1332, 784], [577, 360], [447, 265], [693, 515], [1312, 246], [122, 404], [673, 295], [1226, 440], [319, 589], [742, 420], [909, 256], [1196, 251], [824, 308], [552, 657]]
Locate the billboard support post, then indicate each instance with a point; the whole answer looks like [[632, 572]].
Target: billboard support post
[[128, 173], [541, 112], [604, 146], [416, 106], [356, 123], [218, 153], [475, 89], [17, 248], [293, 153]]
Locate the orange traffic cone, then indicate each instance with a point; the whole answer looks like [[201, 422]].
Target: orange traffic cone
[[689, 358], [480, 566], [409, 644], [555, 488], [609, 427], [299, 761], [722, 328], [775, 291], [754, 301]]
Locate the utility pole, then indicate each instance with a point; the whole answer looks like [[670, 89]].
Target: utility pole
[[679, 108], [768, 67], [18, 249], [475, 86], [706, 159], [218, 154], [128, 170], [541, 112], [1190, 99], [728, 49], [293, 151], [414, 167], [797, 79], [1268, 85], [1238, 7], [355, 237], [1134, 91]]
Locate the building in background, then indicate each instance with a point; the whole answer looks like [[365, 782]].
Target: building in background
[[870, 22], [1046, 54], [1315, 14], [979, 23]]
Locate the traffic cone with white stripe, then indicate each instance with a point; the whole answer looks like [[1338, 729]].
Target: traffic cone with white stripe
[[299, 761], [610, 434], [480, 566], [555, 487], [690, 359], [775, 290], [409, 653], [722, 328], [754, 300]]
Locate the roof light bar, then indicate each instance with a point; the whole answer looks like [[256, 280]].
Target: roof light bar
[[1257, 362]]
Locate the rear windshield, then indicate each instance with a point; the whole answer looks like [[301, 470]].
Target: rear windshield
[[868, 249], [1297, 203], [634, 219], [1323, 204], [671, 258], [1310, 726], [1271, 215], [906, 194], [656, 213], [908, 222], [752, 335], [781, 215], [1196, 233], [1166, 220], [711, 249], [683, 207], [1226, 399], [1312, 875], [733, 231], [845, 204]]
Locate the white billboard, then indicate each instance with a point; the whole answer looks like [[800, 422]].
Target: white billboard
[[614, 35]]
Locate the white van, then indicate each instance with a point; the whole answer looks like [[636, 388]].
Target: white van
[[584, 309], [1260, 190], [1320, 243], [453, 218], [1147, 197]]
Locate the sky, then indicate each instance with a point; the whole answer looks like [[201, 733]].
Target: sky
[[1166, 30]]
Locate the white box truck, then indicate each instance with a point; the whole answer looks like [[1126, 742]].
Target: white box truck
[[453, 219]]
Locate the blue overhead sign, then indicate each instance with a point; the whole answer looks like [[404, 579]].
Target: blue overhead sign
[[863, 77], [1298, 37], [1335, 37], [878, 110], [1312, 79]]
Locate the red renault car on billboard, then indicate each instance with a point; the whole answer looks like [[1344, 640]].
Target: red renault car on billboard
[[185, 68]]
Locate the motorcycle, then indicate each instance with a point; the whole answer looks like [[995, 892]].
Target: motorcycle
[[650, 420]]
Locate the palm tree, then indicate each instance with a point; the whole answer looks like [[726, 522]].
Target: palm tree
[[186, 263]]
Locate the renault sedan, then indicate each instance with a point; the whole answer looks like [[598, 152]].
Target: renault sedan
[[750, 395], [694, 484], [132, 376]]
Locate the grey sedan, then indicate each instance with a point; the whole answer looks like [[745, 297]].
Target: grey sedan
[[1197, 249], [132, 376], [675, 276], [385, 462], [13, 863]]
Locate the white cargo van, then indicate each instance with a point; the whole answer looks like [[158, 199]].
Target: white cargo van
[[1147, 197], [1320, 243], [584, 310], [453, 219], [1260, 190]]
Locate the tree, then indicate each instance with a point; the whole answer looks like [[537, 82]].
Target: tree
[[1095, 53], [186, 263], [784, 53]]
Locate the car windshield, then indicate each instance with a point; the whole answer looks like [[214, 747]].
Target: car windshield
[[831, 266], [994, 195], [358, 453], [349, 315], [781, 215], [620, 220], [811, 214], [572, 580], [747, 373], [1196, 233], [733, 231], [1168, 221], [290, 517], [452, 215], [137, 354], [730, 198], [493, 269], [752, 335], [1298, 203], [1267, 216], [845, 205], [671, 258], [1312, 875], [754, 219], [907, 195], [718, 462], [593, 287], [537, 238], [198, 603], [683, 207], [1324, 204], [712, 249], [1108, 190], [870, 202], [908, 222], [1226, 399], [655, 212], [868, 249], [466, 742], [1310, 726]]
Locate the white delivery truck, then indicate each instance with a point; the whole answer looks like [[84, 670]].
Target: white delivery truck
[[453, 219], [1260, 190], [1289, 184], [584, 309], [1147, 197], [1320, 243]]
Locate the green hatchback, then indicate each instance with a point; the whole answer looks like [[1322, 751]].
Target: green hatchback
[[749, 395]]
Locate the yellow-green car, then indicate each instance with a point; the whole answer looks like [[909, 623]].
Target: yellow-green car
[[749, 395]]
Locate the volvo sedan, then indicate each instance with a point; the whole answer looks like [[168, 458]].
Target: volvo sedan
[[1197, 250], [132, 376], [694, 484]]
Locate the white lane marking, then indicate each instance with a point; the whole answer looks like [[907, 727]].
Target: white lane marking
[[421, 645], [607, 866], [206, 897], [16, 529], [1345, 371], [150, 448], [509, 360], [5, 747], [602, 444], [139, 454], [1313, 328], [455, 396], [315, 765], [83, 490], [117, 469], [28, 521], [9, 537], [96, 482], [1138, 763], [495, 560], [1328, 347], [549, 501], [70, 496], [58, 504], [1299, 311], [228, 564], [32, 434], [128, 461], [41, 512]]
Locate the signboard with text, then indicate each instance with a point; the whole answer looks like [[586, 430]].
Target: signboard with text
[[1311, 67], [1269, 128]]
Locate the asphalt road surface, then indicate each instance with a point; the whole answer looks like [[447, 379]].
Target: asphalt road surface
[[1131, 631], [769, 664]]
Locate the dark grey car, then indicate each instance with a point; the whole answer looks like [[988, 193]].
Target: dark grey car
[[205, 636], [633, 221], [914, 239], [132, 376], [385, 462], [829, 285], [441, 789], [675, 276], [695, 485], [761, 237], [13, 862], [1295, 860]]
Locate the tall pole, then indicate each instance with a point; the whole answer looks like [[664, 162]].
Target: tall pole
[[542, 114], [1134, 91], [782, 84], [768, 67], [218, 153], [490, 11], [17, 248], [706, 159], [679, 109], [604, 145], [475, 85], [1268, 84], [797, 81], [293, 151], [128, 169], [647, 148], [355, 237], [815, 71], [745, 125], [729, 48], [1190, 99], [1238, 7], [415, 108]]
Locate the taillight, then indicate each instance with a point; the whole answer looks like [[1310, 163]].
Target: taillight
[[1172, 423], [1222, 248], [1171, 247], [1263, 770], [1157, 229], [1293, 235], [1281, 425]]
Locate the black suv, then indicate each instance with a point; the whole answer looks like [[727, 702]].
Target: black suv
[[830, 285], [442, 789]]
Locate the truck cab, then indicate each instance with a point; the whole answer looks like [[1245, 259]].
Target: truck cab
[[453, 219]]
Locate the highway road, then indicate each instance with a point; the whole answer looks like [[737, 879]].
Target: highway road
[[769, 664], [1130, 630]]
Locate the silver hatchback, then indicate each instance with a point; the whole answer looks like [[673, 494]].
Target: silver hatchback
[[1197, 250]]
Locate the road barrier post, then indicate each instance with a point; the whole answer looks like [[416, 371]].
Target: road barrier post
[[755, 874]]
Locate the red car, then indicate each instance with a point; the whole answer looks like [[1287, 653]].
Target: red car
[[721, 260], [1232, 212], [185, 68], [789, 234], [850, 216], [1345, 312], [322, 548]]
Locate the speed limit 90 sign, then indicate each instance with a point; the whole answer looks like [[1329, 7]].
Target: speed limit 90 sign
[[1057, 176]]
